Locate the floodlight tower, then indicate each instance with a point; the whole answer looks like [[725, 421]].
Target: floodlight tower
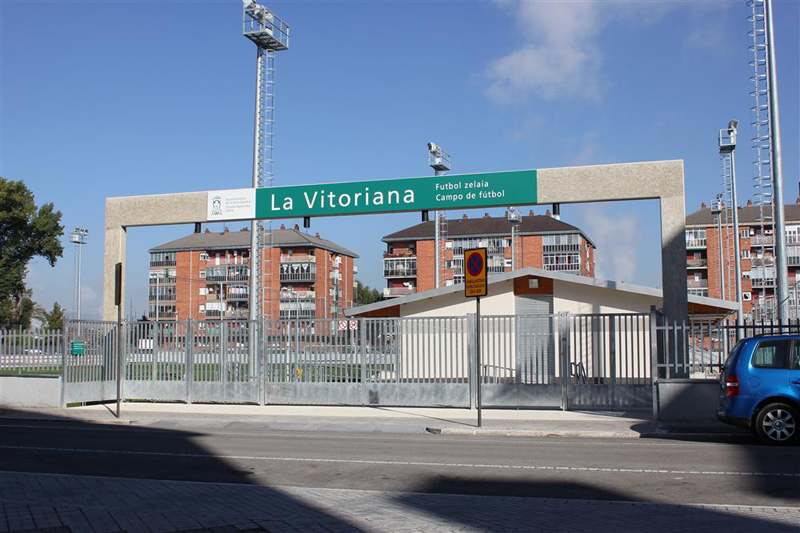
[[727, 153], [439, 161], [515, 220], [78, 237], [270, 34]]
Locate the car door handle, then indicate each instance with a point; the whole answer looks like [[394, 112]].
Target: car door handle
[[796, 382]]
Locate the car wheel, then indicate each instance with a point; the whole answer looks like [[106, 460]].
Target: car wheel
[[777, 423]]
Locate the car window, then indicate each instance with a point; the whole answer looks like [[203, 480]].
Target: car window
[[796, 355], [734, 353], [770, 354]]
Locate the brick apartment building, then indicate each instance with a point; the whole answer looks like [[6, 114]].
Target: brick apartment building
[[757, 262], [541, 241], [205, 276]]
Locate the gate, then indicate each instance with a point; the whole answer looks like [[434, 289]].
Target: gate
[[609, 361], [89, 371]]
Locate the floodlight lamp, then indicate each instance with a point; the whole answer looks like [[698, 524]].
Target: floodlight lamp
[[433, 147], [733, 126]]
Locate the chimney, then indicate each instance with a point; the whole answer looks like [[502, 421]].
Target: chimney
[[703, 206], [317, 235], [486, 215], [464, 216], [297, 227], [547, 213], [208, 230], [225, 230], [530, 213], [283, 226], [243, 229], [749, 202]]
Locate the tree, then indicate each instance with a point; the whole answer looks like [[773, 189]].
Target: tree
[[25, 232], [52, 320], [367, 295]]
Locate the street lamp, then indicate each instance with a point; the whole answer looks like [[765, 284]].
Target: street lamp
[[515, 220], [78, 237], [727, 146], [439, 161]]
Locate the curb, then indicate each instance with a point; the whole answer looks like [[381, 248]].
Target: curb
[[478, 432], [66, 419]]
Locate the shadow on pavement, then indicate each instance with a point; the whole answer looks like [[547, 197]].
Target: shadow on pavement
[[123, 477], [581, 511]]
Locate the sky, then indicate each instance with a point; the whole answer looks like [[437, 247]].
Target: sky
[[116, 98]]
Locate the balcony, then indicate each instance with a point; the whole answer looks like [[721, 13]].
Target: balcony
[[161, 297], [697, 263], [237, 296], [299, 272], [227, 274], [298, 307], [793, 260], [561, 248], [392, 292], [696, 243], [762, 240], [762, 282], [404, 267], [698, 292], [697, 283], [298, 259], [166, 280], [234, 314], [163, 263]]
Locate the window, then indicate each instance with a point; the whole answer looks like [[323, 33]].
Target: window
[[203, 291], [745, 234], [746, 296], [796, 356], [770, 354], [203, 257], [202, 273], [745, 254]]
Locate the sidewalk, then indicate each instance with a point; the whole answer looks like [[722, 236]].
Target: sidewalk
[[445, 421]]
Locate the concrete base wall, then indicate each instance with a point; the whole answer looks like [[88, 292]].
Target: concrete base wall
[[684, 400], [30, 391]]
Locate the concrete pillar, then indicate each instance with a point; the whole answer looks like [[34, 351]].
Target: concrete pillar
[[114, 253]]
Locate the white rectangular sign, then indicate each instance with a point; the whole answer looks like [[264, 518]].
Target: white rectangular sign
[[232, 204]]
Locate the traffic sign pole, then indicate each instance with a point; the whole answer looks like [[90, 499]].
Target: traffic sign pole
[[475, 286], [478, 354]]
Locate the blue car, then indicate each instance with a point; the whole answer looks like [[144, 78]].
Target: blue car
[[760, 388]]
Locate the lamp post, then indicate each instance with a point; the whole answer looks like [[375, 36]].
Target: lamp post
[[78, 237], [439, 161]]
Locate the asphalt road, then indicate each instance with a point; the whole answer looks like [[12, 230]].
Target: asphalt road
[[645, 470]]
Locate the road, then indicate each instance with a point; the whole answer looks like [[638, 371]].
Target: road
[[391, 472]]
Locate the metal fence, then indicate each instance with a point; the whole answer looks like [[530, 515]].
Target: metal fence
[[557, 360], [698, 349], [30, 351]]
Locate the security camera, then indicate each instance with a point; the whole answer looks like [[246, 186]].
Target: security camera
[[433, 147]]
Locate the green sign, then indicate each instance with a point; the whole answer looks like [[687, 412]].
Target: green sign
[[78, 347], [455, 191], [386, 196]]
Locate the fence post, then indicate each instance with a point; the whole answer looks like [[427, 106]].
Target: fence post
[[564, 325], [64, 343], [363, 351], [612, 339], [654, 356], [188, 372]]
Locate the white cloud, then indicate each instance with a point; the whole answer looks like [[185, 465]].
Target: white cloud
[[615, 257], [560, 56]]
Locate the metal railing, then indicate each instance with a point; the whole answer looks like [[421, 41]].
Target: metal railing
[[30, 351], [698, 349], [696, 263], [696, 243]]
